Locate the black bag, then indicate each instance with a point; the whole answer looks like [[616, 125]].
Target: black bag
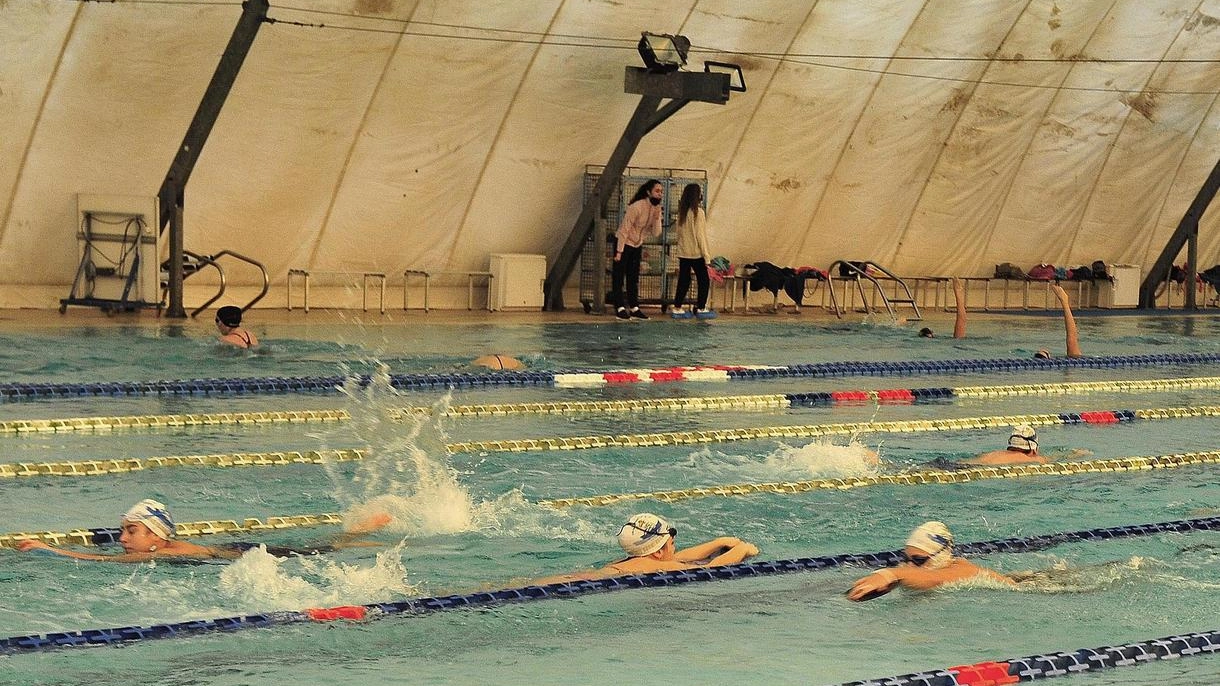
[[1082, 273], [1008, 270], [847, 272], [1099, 270]]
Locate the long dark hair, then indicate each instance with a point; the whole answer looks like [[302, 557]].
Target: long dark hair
[[691, 195], [644, 190]]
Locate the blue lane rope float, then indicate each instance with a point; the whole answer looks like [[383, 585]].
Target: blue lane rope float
[[327, 384], [1045, 666], [904, 396], [569, 589], [652, 440]]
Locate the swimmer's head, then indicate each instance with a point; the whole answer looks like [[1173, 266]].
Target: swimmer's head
[[154, 515], [1024, 439], [925, 332], [229, 315], [934, 539], [645, 534], [499, 363], [1042, 354]]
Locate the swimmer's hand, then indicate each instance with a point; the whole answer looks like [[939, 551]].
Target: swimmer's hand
[[874, 585], [28, 545]]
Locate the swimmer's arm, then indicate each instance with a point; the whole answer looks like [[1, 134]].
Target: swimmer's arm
[[959, 322], [1069, 322], [917, 578], [921, 579], [725, 550], [26, 546]]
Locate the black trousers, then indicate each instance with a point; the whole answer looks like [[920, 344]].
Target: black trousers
[[627, 267], [686, 265]]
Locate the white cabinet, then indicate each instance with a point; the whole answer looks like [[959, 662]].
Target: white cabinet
[[516, 281], [1124, 290]]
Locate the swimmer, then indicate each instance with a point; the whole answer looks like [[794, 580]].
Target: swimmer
[[1022, 449], [499, 363], [649, 542], [930, 563], [1069, 326], [228, 323], [148, 533], [959, 321]]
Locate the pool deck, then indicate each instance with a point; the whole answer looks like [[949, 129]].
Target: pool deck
[[87, 316]]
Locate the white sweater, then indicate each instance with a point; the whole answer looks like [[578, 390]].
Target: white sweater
[[692, 236]]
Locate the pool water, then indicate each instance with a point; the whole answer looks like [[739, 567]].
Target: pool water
[[469, 521]]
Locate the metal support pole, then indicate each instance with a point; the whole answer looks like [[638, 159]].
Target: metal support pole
[[175, 309], [173, 188], [1186, 233]]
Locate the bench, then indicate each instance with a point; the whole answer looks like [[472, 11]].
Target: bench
[[365, 278], [428, 274]]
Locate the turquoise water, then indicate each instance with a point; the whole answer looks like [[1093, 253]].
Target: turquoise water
[[468, 521]]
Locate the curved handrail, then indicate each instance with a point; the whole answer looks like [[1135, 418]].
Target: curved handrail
[[211, 259], [261, 268], [206, 260], [859, 270]]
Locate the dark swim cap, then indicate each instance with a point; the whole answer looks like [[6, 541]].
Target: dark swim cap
[[229, 315]]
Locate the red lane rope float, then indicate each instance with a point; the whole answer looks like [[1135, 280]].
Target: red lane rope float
[[1059, 664], [1037, 666]]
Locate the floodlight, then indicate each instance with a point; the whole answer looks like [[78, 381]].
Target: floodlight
[[737, 80], [663, 52]]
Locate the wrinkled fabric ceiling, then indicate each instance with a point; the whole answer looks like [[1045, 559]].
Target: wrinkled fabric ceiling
[[936, 137]]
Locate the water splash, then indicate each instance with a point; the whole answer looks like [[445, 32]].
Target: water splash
[[261, 581], [408, 475], [818, 459]]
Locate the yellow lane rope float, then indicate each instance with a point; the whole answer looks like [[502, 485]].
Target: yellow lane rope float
[[691, 404], [183, 529], [981, 473], [135, 464], [119, 466], [167, 421], [803, 431]]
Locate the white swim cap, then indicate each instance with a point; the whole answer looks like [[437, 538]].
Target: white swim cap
[[644, 534], [154, 515], [934, 539], [1023, 438]]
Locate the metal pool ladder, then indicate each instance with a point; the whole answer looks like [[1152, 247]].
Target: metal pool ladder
[[195, 262], [858, 272]]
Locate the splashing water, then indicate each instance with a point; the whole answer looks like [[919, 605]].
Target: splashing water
[[818, 459], [262, 581], [408, 476]]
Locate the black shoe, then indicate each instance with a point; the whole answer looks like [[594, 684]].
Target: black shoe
[[622, 313], [638, 314]]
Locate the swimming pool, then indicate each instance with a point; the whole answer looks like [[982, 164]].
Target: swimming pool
[[469, 521]]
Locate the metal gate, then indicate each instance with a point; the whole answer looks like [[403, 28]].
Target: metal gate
[[657, 269]]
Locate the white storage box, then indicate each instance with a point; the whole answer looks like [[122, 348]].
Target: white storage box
[[1124, 290], [516, 281]]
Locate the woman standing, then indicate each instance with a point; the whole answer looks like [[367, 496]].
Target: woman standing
[[641, 221], [693, 254]]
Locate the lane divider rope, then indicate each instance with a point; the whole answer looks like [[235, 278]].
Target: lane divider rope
[[168, 421], [110, 535], [120, 466], [1045, 666], [817, 430], [569, 589], [980, 473], [575, 378], [685, 404], [136, 464]]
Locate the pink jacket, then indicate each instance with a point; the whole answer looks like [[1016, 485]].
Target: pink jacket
[[642, 220]]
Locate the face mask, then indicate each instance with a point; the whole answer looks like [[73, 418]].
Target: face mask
[[654, 201]]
